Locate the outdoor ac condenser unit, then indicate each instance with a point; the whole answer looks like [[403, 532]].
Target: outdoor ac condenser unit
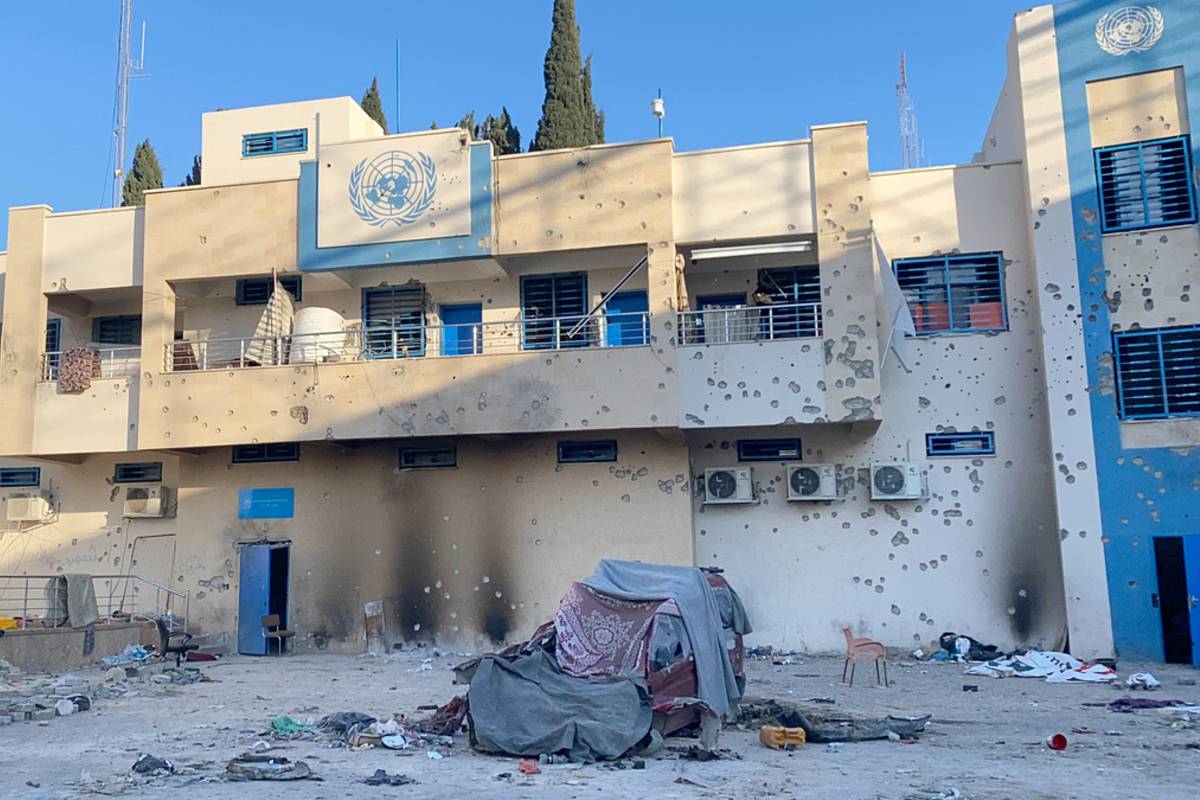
[[812, 482], [728, 485], [146, 501], [28, 508], [898, 481]]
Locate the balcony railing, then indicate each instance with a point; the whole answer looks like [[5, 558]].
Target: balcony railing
[[749, 324], [115, 362], [410, 341], [36, 603]]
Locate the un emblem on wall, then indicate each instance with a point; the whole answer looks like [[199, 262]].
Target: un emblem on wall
[[1132, 29], [393, 187]]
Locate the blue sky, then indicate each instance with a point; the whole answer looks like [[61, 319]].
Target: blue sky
[[731, 73]]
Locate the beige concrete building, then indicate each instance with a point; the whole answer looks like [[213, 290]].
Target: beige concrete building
[[492, 372]]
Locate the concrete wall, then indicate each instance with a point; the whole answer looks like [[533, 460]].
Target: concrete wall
[[751, 383], [743, 192], [341, 119], [1138, 108], [93, 250]]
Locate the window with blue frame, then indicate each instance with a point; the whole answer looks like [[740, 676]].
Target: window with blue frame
[[1158, 372], [144, 472], [961, 293], [587, 452], [257, 291], [980, 443], [394, 322], [13, 477], [53, 347], [794, 307], [260, 453], [428, 456], [124, 329], [1145, 185], [275, 142], [462, 329], [551, 306], [768, 449], [626, 319]]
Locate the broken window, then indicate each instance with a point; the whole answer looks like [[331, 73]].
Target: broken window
[[669, 644]]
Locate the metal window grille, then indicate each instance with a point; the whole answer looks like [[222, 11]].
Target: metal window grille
[[257, 291], [148, 472], [259, 453], [798, 291], [394, 322], [1158, 372], [960, 444], [955, 293], [122, 329], [1145, 185], [551, 306], [768, 449], [587, 452], [11, 477], [273, 142], [425, 457]]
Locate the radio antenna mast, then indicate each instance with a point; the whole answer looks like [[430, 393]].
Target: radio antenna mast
[[127, 70], [910, 149]]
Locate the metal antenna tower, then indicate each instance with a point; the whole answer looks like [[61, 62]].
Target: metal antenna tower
[[910, 148], [127, 69]]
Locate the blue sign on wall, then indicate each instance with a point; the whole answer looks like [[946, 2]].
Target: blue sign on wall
[[267, 503]]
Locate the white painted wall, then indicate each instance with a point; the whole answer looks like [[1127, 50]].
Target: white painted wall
[[87, 250], [751, 383]]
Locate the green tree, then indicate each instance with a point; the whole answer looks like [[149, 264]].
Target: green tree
[[146, 174], [467, 123], [568, 118], [193, 178], [501, 132], [373, 106], [589, 106]]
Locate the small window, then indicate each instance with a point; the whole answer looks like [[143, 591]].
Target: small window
[[431, 456], [257, 291], [258, 453], [122, 329], [53, 335], [274, 142], [587, 452], [960, 444], [954, 294], [768, 449], [551, 307], [149, 472], [394, 322], [11, 477], [1158, 372], [1145, 185]]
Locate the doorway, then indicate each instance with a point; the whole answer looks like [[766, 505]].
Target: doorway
[[1177, 563], [262, 590]]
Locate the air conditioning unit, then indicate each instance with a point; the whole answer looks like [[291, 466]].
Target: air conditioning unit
[[898, 481], [28, 508], [146, 501], [812, 481], [725, 485]]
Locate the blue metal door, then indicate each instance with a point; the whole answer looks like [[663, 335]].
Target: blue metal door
[[254, 597], [462, 329], [1191, 566], [625, 316]]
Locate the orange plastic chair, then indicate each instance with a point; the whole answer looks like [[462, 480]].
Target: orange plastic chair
[[858, 649]]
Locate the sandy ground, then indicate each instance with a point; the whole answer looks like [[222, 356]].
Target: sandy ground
[[985, 744]]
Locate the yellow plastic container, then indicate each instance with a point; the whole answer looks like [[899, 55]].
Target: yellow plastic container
[[777, 737]]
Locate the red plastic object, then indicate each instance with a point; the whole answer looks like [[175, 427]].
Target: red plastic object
[[1056, 742], [529, 767]]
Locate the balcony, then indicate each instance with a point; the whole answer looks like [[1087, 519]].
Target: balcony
[[99, 417], [749, 324], [410, 341], [108, 363]]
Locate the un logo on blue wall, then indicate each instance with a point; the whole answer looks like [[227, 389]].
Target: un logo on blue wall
[[1132, 29], [393, 187]]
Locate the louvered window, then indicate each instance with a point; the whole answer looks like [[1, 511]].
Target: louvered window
[[417, 457], [587, 452], [274, 142], [768, 449], [551, 306], [1146, 185], [795, 307], [258, 453], [11, 477], [982, 443], [257, 291], [955, 293], [147, 472], [53, 346], [123, 329], [394, 322], [1158, 373]]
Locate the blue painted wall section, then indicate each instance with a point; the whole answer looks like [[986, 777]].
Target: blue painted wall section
[[1145, 492], [272, 503], [478, 244]]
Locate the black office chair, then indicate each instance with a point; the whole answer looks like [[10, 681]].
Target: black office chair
[[165, 647]]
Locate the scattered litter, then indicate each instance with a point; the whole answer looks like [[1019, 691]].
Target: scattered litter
[[690, 782], [394, 742], [963, 648], [825, 726], [1142, 680], [147, 764], [382, 778], [1053, 667], [1084, 729], [778, 737], [826, 700], [1185, 681], [64, 708], [286, 726], [527, 766], [1056, 741], [434, 755], [556, 758], [132, 654], [250, 767], [833, 747], [970, 687], [1128, 704], [260, 746], [446, 720], [426, 666]]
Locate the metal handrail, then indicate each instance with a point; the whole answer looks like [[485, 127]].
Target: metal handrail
[[120, 597], [408, 341], [750, 324], [115, 362]]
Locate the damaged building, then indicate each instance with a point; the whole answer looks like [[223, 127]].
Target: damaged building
[[398, 388]]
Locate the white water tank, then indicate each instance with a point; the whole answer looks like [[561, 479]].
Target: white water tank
[[318, 334]]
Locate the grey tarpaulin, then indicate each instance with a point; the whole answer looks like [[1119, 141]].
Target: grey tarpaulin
[[528, 706], [688, 587]]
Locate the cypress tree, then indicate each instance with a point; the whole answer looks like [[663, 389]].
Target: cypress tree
[[501, 132], [589, 105], [373, 106], [467, 123], [146, 174], [193, 178], [564, 122]]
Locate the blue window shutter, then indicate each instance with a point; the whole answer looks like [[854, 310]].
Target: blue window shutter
[[958, 293], [1158, 372], [275, 142], [550, 306], [124, 329], [1145, 185], [258, 453], [257, 291], [13, 477], [53, 335], [428, 456], [980, 443], [587, 452], [146, 472]]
